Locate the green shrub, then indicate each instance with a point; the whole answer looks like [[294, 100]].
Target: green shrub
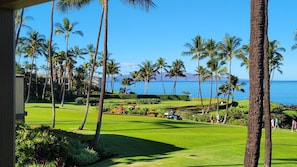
[[202, 118], [80, 100], [34, 145]]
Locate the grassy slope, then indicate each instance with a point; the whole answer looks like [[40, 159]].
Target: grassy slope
[[148, 141]]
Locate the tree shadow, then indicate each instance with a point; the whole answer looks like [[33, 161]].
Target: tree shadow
[[129, 147]]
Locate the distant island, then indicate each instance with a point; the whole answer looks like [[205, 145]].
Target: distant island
[[189, 77]]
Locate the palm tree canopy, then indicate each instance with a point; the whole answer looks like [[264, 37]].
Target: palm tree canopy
[[65, 5], [177, 69], [147, 71], [67, 28], [195, 48]]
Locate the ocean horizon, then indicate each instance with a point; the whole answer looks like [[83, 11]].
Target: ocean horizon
[[283, 92]]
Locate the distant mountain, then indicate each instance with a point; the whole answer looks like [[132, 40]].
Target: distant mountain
[[189, 77]]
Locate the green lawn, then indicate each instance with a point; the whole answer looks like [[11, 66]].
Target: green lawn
[[148, 141]]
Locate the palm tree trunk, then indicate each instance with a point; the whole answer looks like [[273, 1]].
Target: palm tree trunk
[[257, 36], [267, 116], [174, 86], [146, 86], [44, 87], [199, 86], [217, 97], [19, 28], [102, 92], [210, 98], [163, 83], [30, 80], [228, 93], [81, 127], [51, 65]]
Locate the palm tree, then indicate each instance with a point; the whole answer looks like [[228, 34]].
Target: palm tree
[[93, 57], [79, 76], [48, 66], [19, 22], [135, 77], [50, 54], [147, 72], [275, 57], [162, 65], [211, 51], [196, 49], [266, 105], [235, 85], [127, 82], [67, 29], [33, 47], [217, 70], [257, 38], [229, 48], [66, 4], [177, 69], [112, 69]]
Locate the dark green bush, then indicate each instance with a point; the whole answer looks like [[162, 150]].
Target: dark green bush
[[34, 145]]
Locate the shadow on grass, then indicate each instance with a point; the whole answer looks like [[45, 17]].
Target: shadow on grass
[[286, 161], [130, 148]]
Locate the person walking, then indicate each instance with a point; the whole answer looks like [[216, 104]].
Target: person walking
[[272, 123]]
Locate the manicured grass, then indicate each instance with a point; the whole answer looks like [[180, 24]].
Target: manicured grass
[[148, 141]]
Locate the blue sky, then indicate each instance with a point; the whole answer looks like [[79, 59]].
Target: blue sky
[[136, 35]]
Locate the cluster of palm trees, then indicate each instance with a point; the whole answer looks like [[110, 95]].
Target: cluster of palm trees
[[218, 54], [32, 49], [218, 64]]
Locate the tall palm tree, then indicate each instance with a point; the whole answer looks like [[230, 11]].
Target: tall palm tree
[[50, 54], [127, 82], [196, 48], [147, 72], [230, 47], [48, 66], [93, 57], [275, 57], [19, 22], [66, 4], [135, 75], [217, 70], [211, 51], [257, 38], [33, 47], [162, 65], [268, 55], [177, 69], [67, 28], [112, 69], [235, 85]]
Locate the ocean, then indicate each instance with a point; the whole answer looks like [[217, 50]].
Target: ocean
[[284, 92]]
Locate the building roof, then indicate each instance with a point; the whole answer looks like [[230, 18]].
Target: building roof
[[16, 4]]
